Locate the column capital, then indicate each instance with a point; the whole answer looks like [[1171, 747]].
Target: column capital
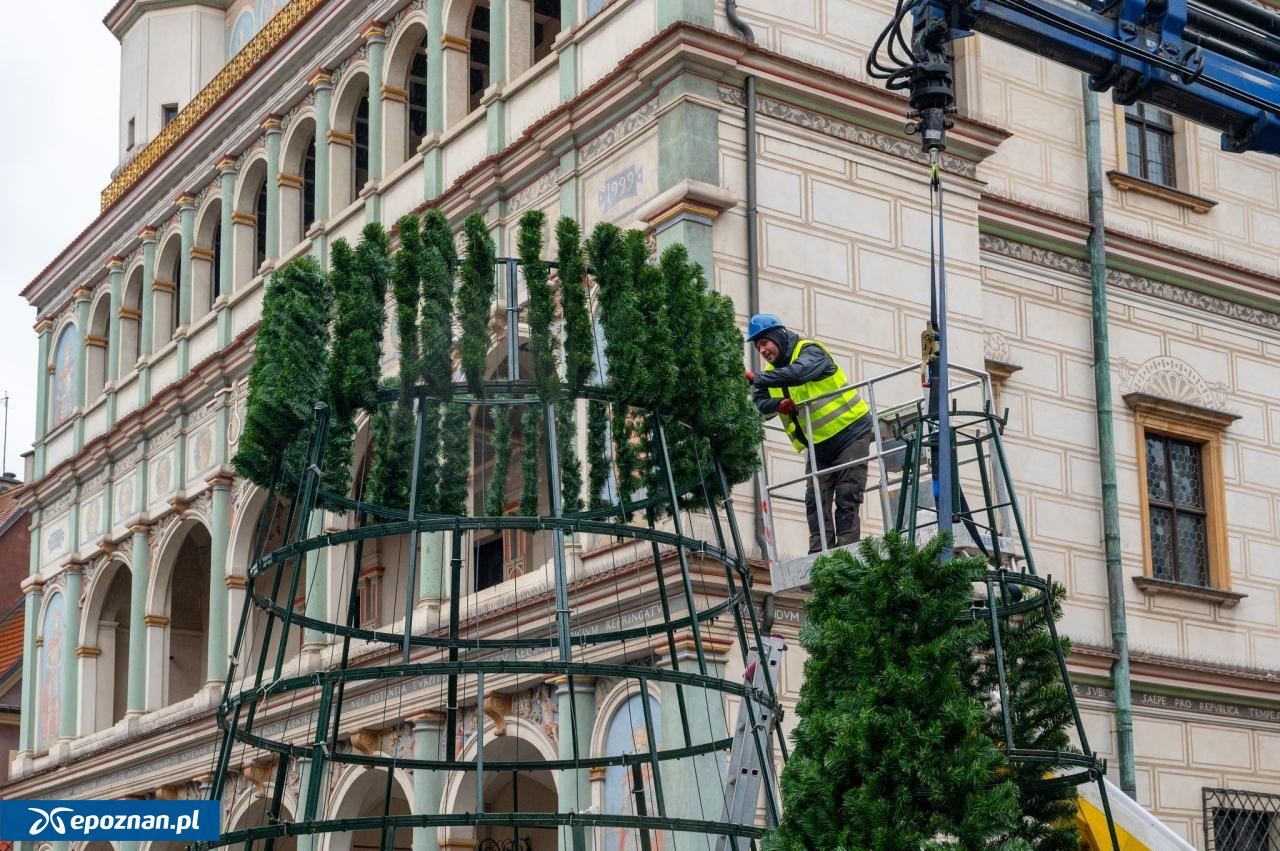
[[140, 526], [321, 80], [155, 620], [43, 325], [73, 565], [185, 201], [32, 585], [426, 720], [228, 165], [82, 293], [147, 235], [273, 125], [84, 652], [220, 480], [581, 685], [375, 32], [115, 263], [596, 772]]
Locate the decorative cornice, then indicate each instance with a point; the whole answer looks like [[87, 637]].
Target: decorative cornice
[[1179, 410], [686, 198], [276, 30]]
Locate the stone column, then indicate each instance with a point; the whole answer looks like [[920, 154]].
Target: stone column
[[375, 36], [428, 786], [495, 109], [694, 787], [140, 571], [44, 333], [71, 640], [227, 262], [322, 85], [81, 298], [115, 278], [146, 328], [306, 841], [316, 591], [219, 537], [574, 787], [33, 590], [272, 129], [186, 280], [432, 153]]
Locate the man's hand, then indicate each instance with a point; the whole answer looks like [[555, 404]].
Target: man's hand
[[787, 406], [751, 377]]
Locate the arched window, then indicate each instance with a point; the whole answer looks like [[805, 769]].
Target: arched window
[[215, 287], [360, 167], [308, 188], [260, 227], [478, 66], [546, 26], [175, 302], [62, 393], [130, 324], [417, 88], [97, 345]]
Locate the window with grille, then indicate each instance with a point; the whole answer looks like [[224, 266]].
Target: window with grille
[[1183, 506], [1175, 500], [1240, 820], [1149, 143]]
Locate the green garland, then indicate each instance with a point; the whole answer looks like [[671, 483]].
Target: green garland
[[495, 504], [570, 467], [288, 376], [456, 451], [531, 432], [542, 308], [598, 461], [888, 751], [438, 262], [579, 340], [475, 300]]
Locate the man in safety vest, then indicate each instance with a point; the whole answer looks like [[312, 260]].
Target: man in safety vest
[[835, 422]]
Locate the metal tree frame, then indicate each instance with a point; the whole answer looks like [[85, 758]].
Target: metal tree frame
[[257, 688]]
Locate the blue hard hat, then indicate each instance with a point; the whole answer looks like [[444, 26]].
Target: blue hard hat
[[760, 323]]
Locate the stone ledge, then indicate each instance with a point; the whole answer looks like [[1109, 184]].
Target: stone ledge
[[1217, 596]]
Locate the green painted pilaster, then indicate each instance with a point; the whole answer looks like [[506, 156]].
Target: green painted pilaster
[[227, 266], [568, 62], [376, 37], [431, 583], [33, 587], [187, 230], [433, 156], [569, 184], [71, 641], [316, 592], [495, 114], [574, 787], [306, 841], [688, 149], [272, 129], [146, 325], [140, 571], [115, 278], [701, 12], [82, 300], [322, 85], [44, 332], [428, 786]]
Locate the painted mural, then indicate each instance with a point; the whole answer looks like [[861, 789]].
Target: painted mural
[[49, 672], [245, 17], [625, 735], [62, 391]]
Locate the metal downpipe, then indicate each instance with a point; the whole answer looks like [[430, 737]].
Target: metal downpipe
[[753, 243], [1106, 443]]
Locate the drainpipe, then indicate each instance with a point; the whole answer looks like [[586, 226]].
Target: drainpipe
[[1106, 443], [753, 242]]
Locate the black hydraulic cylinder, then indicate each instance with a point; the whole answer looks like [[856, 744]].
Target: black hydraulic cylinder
[[1243, 45], [1243, 11]]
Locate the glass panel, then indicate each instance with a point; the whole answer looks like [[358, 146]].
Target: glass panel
[[1188, 484], [1133, 146], [1162, 143], [1241, 830], [1162, 544], [1157, 470], [1193, 559]]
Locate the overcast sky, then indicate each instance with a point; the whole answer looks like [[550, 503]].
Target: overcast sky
[[61, 71]]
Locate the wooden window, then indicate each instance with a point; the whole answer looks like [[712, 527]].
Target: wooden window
[[1183, 501], [1149, 143]]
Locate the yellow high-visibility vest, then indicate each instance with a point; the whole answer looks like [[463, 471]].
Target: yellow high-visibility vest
[[826, 417]]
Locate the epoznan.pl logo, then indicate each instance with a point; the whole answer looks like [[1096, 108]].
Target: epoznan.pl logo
[[188, 821]]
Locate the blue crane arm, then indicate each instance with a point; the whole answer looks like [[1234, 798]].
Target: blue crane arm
[[1215, 65]]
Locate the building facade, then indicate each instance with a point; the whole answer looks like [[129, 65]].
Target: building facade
[[286, 126]]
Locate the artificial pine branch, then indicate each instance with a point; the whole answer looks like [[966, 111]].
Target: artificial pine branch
[[496, 499], [531, 433], [288, 375], [889, 752], [598, 461], [542, 308], [579, 341], [456, 451], [475, 300], [570, 467]]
